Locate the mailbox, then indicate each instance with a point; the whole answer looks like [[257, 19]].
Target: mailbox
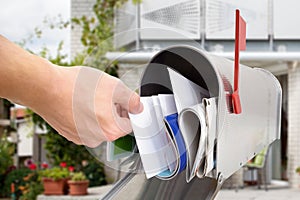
[[230, 139]]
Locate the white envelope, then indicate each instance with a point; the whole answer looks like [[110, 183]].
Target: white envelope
[[150, 139], [186, 93]]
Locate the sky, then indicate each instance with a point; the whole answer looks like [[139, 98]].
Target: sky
[[18, 18]]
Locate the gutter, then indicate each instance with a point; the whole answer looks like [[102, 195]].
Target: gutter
[[143, 57], [280, 57]]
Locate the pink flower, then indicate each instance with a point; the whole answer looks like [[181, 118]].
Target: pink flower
[[28, 162], [63, 164], [32, 166], [44, 165], [71, 168]]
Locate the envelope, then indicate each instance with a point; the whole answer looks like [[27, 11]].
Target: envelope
[[177, 131]]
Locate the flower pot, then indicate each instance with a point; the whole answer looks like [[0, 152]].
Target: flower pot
[[54, 187], [78, 187]]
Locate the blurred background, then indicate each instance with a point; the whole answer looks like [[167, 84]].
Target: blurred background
[[95, 32]]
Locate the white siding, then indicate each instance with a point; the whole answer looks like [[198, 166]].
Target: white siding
[[79, 8], [293, 125]]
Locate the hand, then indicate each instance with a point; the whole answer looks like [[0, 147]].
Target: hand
[[90, 106], [83, 104]]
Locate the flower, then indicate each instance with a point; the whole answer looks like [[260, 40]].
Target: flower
[[71, 168], [44, 165], [22, 188], [28, 162], [63, 164], [32, 166], [84, 163]]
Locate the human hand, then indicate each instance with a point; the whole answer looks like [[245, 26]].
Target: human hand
[[90, 106]]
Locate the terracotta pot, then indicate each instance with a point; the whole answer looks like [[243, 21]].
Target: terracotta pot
[[54, 187], [78, 187]]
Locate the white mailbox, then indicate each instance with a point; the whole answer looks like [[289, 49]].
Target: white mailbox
[[236, 137], [221, 140]]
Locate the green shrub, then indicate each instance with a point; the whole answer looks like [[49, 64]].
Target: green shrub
[[16, 177], [94, 171], [55, 173], [6, 152], [78, 176], [32, 188], [298, 170]]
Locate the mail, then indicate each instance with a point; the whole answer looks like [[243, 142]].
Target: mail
[[176, 132]]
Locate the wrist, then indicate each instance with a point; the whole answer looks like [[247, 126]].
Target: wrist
[[55, 100], [41, 88]]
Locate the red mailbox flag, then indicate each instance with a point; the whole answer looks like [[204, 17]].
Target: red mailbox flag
[[240, 44]]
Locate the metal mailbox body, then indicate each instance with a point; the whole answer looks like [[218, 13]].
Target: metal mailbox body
[[239, 137]]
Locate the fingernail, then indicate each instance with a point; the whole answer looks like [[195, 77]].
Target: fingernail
[[141, 108]]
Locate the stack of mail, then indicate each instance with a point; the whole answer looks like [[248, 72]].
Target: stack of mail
[[176, 131]]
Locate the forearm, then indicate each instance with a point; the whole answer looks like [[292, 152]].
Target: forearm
[[24, 78]]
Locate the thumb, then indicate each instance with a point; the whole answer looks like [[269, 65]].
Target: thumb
[[135, 105], [128, 99]]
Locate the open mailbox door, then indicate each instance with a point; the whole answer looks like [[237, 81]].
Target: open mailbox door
[[229, 139]]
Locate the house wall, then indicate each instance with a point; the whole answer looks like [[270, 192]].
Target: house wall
[[293, 124], [130, 74], [79, 8]]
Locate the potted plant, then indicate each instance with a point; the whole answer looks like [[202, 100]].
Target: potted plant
[[78, 184], [55, 180]]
